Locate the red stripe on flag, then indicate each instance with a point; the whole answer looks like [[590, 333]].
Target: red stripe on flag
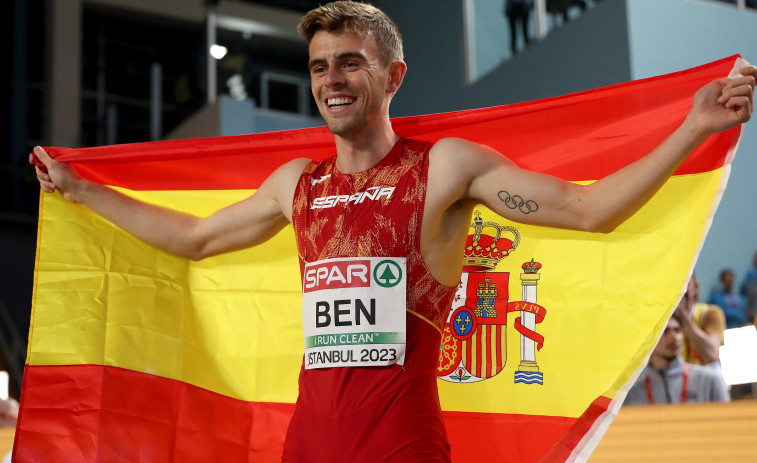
[[178, 422], [582, 136], [489, 353], [478, 337], [99, 413], [477, 437], [500, 360], [562, 450]]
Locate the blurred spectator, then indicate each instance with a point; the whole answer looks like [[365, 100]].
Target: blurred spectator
[[561, 7], [729, 300], [748, 3], [668, 379], [751, 274], [703, 326], [518, 12], [8, 413], [750, 310]]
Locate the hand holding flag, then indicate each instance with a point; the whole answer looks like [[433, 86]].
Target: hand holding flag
[[724, 103]]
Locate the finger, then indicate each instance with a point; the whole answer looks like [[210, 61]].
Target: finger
[[746, 81], [750, 70], [742, 88], [42, 176], [42, 154], [738, 81], [739, 102], [741, 108], [40, 158], [47, 187]]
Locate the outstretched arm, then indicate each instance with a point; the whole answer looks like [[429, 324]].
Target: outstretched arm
[[244, 224], [485, 176]]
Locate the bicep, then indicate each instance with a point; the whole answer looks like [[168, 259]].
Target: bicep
[[247, 223], [525, 196], [255, 219]]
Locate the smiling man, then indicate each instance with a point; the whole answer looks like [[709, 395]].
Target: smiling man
[[381, 243]]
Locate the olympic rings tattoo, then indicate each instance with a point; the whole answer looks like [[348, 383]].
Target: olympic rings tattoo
[[517, 202]]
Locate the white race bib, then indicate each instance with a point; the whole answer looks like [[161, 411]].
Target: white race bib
[[353, 312]]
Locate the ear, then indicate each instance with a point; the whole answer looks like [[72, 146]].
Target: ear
[[397, 71]]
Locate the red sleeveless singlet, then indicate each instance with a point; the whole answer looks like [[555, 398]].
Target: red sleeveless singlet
[[372, 414]]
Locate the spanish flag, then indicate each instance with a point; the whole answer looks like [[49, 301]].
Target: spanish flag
[[140, 356]]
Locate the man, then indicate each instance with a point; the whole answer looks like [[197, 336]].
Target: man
[[373, 200], [751, 275], [517, 12], [668, 379], [729, 300], [703, 326], [751, 302]]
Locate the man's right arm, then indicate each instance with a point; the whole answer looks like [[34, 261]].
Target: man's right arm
[[704, 341], [244, 224]]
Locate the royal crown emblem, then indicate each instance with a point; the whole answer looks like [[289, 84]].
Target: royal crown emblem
[[474, 338], [531, 267], [486, 246]]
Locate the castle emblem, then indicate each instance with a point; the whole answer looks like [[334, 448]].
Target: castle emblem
[[474, 340]]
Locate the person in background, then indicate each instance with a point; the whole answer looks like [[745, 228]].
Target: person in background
[[703, 326], [750, 309], [729, 300], [518, 12], [751, 275], [668, 379], [561, 7]]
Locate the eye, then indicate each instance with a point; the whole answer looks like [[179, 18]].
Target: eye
[[350, 65], [317, 70]]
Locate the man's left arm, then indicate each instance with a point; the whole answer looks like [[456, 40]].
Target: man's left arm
[[605, 204]]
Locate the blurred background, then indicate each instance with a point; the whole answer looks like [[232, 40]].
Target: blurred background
[[94, 72]]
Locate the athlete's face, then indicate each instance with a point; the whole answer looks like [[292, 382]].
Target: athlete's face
[[350, 86]]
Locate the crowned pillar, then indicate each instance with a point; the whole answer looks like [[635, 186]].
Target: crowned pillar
[[528, 370]]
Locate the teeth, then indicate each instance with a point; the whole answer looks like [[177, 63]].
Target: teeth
[[339, 101]]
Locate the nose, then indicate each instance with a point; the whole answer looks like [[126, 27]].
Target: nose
[[334, 76]]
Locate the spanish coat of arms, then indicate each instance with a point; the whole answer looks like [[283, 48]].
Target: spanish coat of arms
[[474, 339]]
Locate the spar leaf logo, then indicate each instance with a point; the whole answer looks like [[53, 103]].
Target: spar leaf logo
[[387, 274], [474, 339]]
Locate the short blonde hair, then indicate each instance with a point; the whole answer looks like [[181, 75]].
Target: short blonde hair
[[358, 18]]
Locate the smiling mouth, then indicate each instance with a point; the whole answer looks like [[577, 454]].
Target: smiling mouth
[[339, 102]]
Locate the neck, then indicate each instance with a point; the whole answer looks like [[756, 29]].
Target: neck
[[360, 151]]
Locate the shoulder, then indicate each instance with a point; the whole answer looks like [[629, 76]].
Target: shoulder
[[289, 172], [294, 167], [283, 181], [463, 154], [712, 310], [705, 373]]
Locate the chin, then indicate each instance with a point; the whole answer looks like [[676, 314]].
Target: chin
[[341, 130]]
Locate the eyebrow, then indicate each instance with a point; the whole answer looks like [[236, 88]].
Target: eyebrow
[[340, 56]]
